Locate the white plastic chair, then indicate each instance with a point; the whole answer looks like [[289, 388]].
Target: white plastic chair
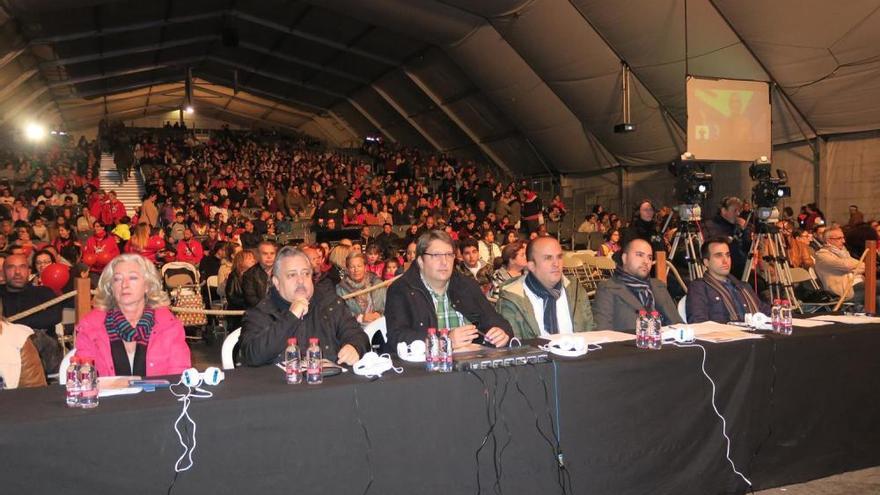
[[682, 309], [229, 342], [212, 283], [377, 325], [62, 369]]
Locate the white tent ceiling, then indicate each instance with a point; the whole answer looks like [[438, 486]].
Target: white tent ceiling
[[532, 85]]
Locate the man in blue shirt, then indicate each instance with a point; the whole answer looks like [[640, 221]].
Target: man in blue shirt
[[719, 296]]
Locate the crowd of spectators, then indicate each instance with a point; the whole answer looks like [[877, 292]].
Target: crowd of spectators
[[226, 204]]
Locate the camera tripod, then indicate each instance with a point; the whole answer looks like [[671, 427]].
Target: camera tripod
[[776, 269], [689, 238]]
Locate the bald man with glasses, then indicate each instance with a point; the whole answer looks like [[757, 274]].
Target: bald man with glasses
[[433, 294]]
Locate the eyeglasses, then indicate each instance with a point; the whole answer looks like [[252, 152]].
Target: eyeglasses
[[836, 238], [438, 256]]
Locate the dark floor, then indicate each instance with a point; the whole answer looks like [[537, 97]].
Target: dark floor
[[863, 482]]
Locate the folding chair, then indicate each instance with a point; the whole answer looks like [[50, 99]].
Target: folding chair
[[799, 276]]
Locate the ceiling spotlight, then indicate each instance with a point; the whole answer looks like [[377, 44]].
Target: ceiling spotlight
[[189, 109], [34, 132]]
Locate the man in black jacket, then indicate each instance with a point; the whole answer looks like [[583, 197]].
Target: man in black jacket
[[292, 308], [255, 281], [433, 294]]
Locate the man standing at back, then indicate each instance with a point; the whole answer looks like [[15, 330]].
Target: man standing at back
[[255, 281], [619, 299], [544, 302]]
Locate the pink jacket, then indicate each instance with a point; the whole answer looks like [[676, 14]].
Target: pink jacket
[[167, 352]]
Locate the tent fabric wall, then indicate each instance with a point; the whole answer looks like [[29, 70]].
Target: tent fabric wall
[[850, 174]]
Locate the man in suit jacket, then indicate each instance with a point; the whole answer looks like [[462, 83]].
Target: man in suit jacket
[[619, 299], [719, 296]]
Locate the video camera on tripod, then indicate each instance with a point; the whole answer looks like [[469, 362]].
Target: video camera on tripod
[[768, 190], [692, 187]]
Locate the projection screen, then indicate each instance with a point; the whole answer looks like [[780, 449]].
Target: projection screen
[[728, 119]]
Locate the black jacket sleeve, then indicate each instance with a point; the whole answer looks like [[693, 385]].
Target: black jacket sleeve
[[264, 334], [253, 289], [348, 330], [470, 301], [400, 316]]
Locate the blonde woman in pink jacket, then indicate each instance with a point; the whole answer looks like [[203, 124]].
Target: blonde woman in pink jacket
[[131, 331]]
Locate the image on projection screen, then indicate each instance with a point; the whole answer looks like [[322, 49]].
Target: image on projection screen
[[728, 119]]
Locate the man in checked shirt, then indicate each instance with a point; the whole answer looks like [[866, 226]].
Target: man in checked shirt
[[433, 294]]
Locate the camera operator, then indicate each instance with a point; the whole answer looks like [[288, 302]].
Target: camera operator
[[727, 223]]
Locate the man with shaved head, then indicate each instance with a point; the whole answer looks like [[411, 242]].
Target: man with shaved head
[[630, 289], [19, 295], [544, 301]]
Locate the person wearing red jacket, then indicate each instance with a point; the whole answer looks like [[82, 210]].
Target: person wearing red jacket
[[112, 210], [190, 250], [96, 203], [101, 247]]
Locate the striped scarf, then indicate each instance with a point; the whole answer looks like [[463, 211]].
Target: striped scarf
[[118, 328], [638, 286], [727, 298]]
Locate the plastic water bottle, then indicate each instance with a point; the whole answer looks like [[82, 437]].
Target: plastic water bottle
[[445, 354], [432, 350], [775, 319], [641, 329], [314, 370], [88, 384], [656, 333], [72, 384], [785, 323], [292, 372]]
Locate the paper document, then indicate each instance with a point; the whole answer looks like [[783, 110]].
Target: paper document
[[728, 336], [849, 319], [109, 386], [597, 337]]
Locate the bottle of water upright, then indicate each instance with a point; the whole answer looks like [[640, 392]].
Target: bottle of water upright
[[775, 320], [642, 329], [314, 370], [445, 354], [292, 371], [656, 335], [88, 384], [432, 350], [72, 383], [785, 317]]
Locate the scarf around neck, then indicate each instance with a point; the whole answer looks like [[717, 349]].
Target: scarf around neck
[[639, 286], [118, 328], [727, 298], [549, 296]]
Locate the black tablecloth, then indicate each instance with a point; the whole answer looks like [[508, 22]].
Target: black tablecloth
[[626, 421]]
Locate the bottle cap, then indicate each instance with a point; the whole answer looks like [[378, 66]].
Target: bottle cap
[[643, 312], [313, 340], [777, 301], [432, 330], [444, 331], [291, 341], [655, 313]]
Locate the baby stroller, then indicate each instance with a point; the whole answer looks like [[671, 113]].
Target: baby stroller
[[181, 280]]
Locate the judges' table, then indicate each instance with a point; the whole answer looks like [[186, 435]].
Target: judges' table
[[627, 421]]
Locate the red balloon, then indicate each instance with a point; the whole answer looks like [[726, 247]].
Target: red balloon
[[104, 258], [55, 276], [89, 258]]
